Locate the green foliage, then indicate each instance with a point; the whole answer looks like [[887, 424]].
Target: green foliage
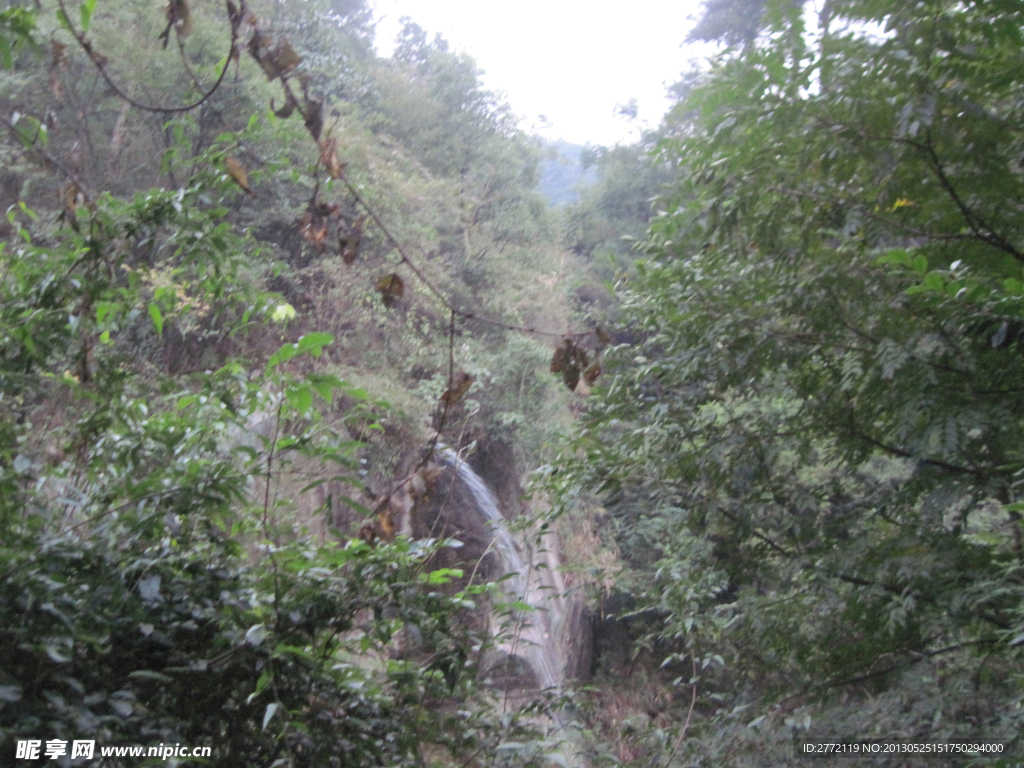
[[812, 455], [171, 464], [614, 211], [16, 27]]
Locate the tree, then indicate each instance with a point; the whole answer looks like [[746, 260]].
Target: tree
[[812, 458], [158, 582], [729, 21]]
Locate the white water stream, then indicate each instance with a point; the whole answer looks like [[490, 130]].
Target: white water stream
[[534, 580]]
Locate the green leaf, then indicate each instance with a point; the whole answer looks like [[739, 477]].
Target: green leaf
[[5, 53], [295, 651], [934, 281], [283, 313], [443, 575], [103, 309], [87, 7], [898, 256], [300, 398], [283, 355], [314, 343], [28, 130], [158, 318], [325, 385]]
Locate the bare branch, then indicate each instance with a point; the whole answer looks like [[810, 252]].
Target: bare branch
[[101, 65]]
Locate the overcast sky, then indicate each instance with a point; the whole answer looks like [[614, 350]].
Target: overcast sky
[[571, 61]]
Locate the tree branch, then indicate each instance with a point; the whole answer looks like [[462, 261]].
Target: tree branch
[[100, 63]]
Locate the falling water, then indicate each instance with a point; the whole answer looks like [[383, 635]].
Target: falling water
[[535, 639]]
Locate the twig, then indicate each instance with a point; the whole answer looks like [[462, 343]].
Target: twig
[[101, 65], [689, 714], [982, 229], [72, 177]]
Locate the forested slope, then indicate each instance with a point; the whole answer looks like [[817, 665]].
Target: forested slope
[[809, 460], [252, 275]]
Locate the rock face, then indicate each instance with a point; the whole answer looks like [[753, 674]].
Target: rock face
[[542, 637]]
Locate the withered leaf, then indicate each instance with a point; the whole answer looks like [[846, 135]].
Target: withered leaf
[[368, 534], [329, 157], [349, 245], [562, 356], [569, 360], [60, 55], [387, 524], [579, 357], [72, 196], [58, 91], [391, 288], [237, 172], [284, 58], [58, 63], [286, 111], [314, 114], [592, 372], [180, 18], [259, 46], [313, 229], [571, 377], [459, 387], [603, 335]]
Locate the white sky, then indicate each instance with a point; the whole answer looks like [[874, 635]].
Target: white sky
[[568, 60]]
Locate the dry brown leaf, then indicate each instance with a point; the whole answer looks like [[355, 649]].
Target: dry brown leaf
[[60, 55], [259, 49], [234, 15], [284, 58], [329, 157], [58, 63], [314, 118], [571, 377], [179, 17], [349, 245], [602, 335], [286, 111], [569, 360], [313, 229], [71, 196], [592, 372], [580, 359], [237, 172], [460, 386], [391, 289], [562, 356], [387, 524], [368, 534]]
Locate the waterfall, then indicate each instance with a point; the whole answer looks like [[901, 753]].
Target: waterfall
[[534, 580]]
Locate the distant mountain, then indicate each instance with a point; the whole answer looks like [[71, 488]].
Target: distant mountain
[[562, 172]]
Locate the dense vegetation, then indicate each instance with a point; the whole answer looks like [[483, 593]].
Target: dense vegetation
[[810, 461], [206, 295], [251, 277]]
